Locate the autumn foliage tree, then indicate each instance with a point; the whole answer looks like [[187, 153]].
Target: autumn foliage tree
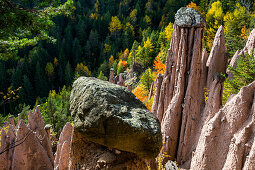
[[194, 6], [147, 79], [214, 19], [115, 25], [111, 61], [82, 70], [159, 66], [234, 22], [144, 53]]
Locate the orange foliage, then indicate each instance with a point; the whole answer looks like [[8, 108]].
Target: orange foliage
[[159, 66], [140, 92], [194, 6], [142, 95], [244, 33], [149, 103], [123, 63]]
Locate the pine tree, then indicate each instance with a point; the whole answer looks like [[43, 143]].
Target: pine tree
[[76, 52], [41, 86], [81, 30], [27, 95], [16, 78], [67, 41], [68, 74], [234, 22], [3, 78]]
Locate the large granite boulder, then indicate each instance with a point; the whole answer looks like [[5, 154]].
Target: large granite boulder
[[112, 116]]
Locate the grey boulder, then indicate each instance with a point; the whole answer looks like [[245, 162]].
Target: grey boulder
[[111, 115], [188, 17]]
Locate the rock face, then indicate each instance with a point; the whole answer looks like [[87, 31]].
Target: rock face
[[179, 101], [36, 124], [217, 60], [111, 77], [157, 93], [249, 48], [26, 147], [250, 44], [30, 154], [64, 147], [227, 139], [121, 81], [198, 132], [112, 116], [189, 73], [126, 79], [3, 156], [89, 155]]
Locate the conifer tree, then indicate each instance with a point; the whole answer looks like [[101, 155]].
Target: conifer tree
[[41, 86], [27, 89], [76, 52], [16, 78], [68, 74]]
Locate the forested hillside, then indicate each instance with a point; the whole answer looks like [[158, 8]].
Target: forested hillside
[[104, 34]]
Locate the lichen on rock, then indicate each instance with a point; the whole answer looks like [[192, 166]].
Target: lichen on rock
[[111, 115], [188, 17]]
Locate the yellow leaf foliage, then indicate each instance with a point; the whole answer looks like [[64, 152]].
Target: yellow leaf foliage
[[107, 48], [125, 54], [148, 45], [111, 61], [132, 15], [55, 62], [168, 31], [140, 92], [147, 20], [130, 27], [92, 16], [115, 25], [214, 19], [53, 93], [83, 70], [235, 16]]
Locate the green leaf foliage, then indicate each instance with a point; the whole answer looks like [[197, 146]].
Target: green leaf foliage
[[24, 23], [243, 74], [56, 109], [147, 79]]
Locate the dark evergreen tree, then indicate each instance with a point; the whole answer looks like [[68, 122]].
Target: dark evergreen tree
[[68, 74], [26, 93], [76, 52], [41, 85], [67, 41], [3, 78], [16, 78]]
